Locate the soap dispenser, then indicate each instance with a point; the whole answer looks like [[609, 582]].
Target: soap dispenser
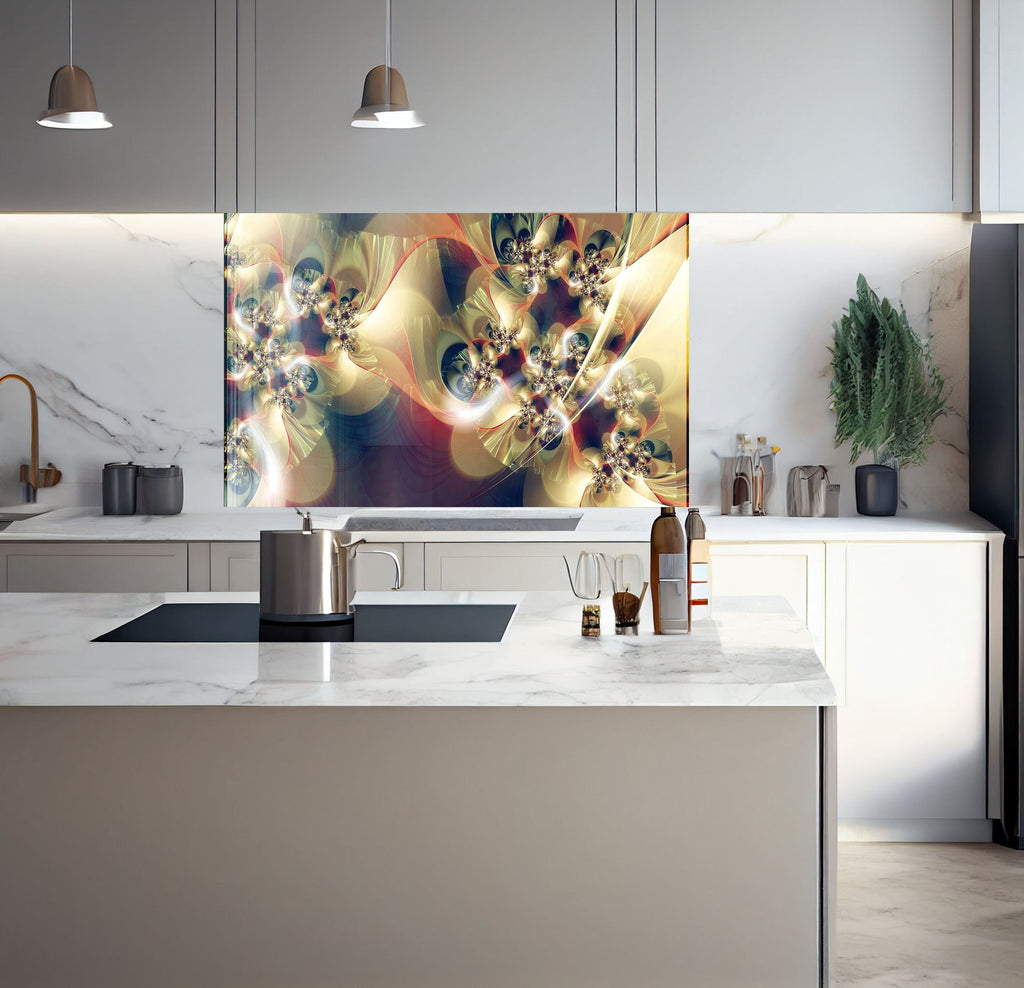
[[668, 573]]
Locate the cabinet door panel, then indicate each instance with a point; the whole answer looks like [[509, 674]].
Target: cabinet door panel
[[795, 572], [518, 101], [236, 566], [153, 69], [1010, 107], [912, 732], [800, 105], [513, 565], [97, 568], [372, 571]]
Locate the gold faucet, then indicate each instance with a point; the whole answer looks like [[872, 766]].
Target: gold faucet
[[29, 475]]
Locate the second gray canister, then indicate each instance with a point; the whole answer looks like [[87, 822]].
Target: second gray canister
[[160, 490]]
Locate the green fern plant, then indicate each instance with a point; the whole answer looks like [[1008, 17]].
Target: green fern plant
[[886, 391]]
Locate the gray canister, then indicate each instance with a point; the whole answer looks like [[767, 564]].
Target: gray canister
[[119, 488], [160, 490]]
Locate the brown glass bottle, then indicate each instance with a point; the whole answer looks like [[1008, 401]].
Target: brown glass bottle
[[668, 572]]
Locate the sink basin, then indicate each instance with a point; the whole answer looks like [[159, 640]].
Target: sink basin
[[465, 520], [18, 512], [240, 622]]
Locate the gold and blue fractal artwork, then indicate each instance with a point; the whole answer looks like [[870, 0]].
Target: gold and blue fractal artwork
[[483, 359]]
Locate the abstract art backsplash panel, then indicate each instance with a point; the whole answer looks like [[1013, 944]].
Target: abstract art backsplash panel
[[491, 359]]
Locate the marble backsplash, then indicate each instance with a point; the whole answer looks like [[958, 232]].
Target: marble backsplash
[[765, 290], [118, 322]]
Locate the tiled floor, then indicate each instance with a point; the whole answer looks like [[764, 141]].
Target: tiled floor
[[941, 915]]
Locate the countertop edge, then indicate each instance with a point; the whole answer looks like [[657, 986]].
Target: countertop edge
[[69, 525]]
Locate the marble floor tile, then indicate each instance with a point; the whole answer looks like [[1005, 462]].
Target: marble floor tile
[[942, 915]]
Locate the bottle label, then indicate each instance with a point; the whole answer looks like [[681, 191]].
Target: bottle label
[[673, 605], [672, 566]]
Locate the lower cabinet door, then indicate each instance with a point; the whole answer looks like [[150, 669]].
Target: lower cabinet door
[[794, 571], [236, 566], [514, 565], [912, 733], [97, 567]]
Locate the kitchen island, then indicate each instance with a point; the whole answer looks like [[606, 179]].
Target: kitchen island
[[543, 810]]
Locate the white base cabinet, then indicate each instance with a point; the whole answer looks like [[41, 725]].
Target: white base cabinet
[[903, 630], [912, 746], [794, 571]]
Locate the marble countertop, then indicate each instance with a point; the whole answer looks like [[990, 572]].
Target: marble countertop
[[595, 525], [751, 653]]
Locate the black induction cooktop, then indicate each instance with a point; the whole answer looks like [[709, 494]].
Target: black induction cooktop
[[235, 622]]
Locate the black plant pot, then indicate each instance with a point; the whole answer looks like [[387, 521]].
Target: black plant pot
[[878, 489]]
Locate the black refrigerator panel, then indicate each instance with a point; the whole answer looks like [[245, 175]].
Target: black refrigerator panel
[[994, 421], [1007, 829]]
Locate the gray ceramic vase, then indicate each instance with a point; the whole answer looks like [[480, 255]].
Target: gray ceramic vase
[[878, 489]]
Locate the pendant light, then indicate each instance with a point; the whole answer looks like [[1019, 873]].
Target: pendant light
[[72, 104], [385, 103]]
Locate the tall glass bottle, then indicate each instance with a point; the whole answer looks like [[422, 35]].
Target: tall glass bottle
[[668, 573]]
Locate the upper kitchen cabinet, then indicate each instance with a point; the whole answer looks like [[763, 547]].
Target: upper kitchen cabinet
[[153, 69], [999, 107], [804, 106], [518, 100]]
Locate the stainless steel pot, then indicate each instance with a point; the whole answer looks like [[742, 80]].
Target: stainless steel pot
[[306, 573]]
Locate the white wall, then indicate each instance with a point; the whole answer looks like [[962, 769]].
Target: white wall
[[117, 320]]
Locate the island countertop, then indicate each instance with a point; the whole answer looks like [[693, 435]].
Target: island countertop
[[751, 652]]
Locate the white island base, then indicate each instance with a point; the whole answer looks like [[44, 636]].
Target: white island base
[[434, 847]]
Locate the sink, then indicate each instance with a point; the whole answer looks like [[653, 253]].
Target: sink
[[240, 622], [18, 512], [464, 520]]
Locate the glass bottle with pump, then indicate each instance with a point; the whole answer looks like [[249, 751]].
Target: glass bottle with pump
[[743, 477], [668, 573]]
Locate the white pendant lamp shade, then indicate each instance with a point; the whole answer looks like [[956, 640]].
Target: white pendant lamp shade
[[72, 103], [385, 103]]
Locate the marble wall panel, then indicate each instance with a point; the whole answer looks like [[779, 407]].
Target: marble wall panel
[[118, 322], [764, 292]]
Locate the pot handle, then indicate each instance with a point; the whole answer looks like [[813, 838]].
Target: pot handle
[[387, 552], [340, 546], [346, 547]]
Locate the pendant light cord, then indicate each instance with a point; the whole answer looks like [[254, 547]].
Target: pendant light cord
[[387, 53], [71, 32]]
